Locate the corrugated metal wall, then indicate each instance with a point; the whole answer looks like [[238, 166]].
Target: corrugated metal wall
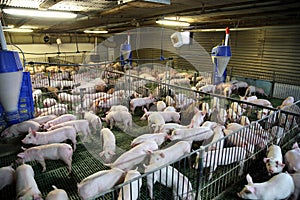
[[270, 54]]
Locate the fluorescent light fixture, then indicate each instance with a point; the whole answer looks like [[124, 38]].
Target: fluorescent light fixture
[[95, 31], [18, 30], [172, 22], [39, 13]]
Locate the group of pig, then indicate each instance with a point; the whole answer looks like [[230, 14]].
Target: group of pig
[[48, 134], [282, 185]]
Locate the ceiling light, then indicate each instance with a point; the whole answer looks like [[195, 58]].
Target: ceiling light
[[95, 31], [39, 13], [18, 30], [172, 22]]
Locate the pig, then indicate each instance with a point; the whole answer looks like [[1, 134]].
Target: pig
[[54, 136], [208, 88], [164, 156], [237, 108], [227, 91], [108, 144], [7, 176], [53, 110], [65, 97], [95, 184], [210, 124], [159, 138], [94, 120], [170, 101], [225, 156], [155, 122], [169, 127], [222, 116], [280, 186], [120, 117], [26, 187], [20, 129], [133, 157], [170, 108], [117, 108], [296, 179], [250, 90], [240, 84], [232, 115], [138, 102], [55, 151], [43, 119], [287, 102], [80, 125], [48, 102], [197, 119], [292, 159], [60, 119], [57, 194], [244, 121], [131, 190], [274, 159], [160, 105], [168, 116], [172, 178], [262, 102], [218, 134], [192, 134]]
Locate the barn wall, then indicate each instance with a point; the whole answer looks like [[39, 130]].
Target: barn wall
[[264, 53]]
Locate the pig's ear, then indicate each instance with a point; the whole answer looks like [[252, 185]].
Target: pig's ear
[[23, 148], [266, 160], [250, 189], [162, 155], [249, 179], [29, 129], [295, 146], [21, 155], [196, 109], [34, 133]]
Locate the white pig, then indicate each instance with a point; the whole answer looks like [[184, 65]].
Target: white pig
[[57, 194], [169, 127], [169, 154], [225, 156], [7, 176], [133, 157], [108, 144], [131, 191], [20, 129], [218, 134], [169, 116], [95, 184], [192, 134], [94, 120], [26, 187], [160, 105], [55, 151], [273, 161], [43, 119], [48, 102], [54, 136], [155, 122], [119, 117], [80, 125], [287, 102], [292, 159], [197, 119], [280, 186], [60, 119], [172, 178], [117, 108], [137, 102], [159, 138]]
